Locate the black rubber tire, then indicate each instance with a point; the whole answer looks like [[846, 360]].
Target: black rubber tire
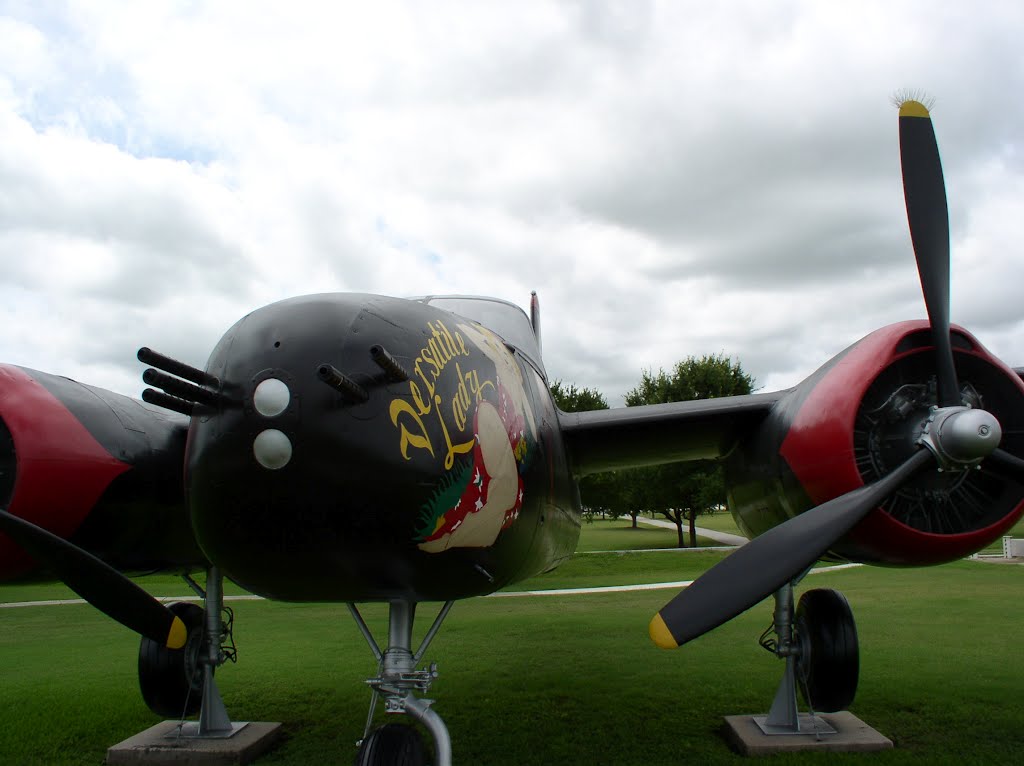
[[829, 664], [393, 744], [171, 680]]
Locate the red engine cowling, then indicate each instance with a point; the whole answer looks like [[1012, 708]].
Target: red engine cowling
[[856, 419], [94, 467]]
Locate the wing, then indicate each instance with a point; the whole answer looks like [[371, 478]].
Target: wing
[[628, 437]]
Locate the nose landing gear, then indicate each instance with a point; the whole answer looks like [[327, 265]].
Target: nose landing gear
[[398, 682]]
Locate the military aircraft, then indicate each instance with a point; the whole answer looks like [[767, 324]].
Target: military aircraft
[[360, 448]]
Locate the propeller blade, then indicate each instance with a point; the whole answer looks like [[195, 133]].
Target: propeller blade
[[98, 583], [766, 563], [928, 215], [1007, 464]]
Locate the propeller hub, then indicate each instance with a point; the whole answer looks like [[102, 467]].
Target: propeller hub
[[960, 437]]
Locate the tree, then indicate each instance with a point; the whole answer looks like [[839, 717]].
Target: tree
[[569, 398], [683, 491]]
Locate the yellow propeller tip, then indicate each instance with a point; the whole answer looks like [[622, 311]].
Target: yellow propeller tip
[[913, 109], [913, 102], [177, 635], [660, 633]]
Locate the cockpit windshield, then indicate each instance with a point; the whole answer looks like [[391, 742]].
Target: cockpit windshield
[[504, 318]]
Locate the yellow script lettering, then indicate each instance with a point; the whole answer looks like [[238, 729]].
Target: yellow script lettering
[[408, 439], [453, 449]]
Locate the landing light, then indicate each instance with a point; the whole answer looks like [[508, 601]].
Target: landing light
[[272, 449], [271, 397]]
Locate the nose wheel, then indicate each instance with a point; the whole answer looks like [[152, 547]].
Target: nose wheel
[[393, 744], [398, 683]]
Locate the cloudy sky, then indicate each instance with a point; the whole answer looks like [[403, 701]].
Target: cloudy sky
[[672, 178]]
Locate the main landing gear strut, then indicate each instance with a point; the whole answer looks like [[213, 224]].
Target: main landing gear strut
[[819, 644], [398, 682], [177, 683]]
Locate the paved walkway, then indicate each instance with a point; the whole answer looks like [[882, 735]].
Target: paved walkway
[[719, 537], [622, 588]]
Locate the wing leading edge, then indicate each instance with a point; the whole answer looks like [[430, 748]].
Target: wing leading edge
[[628, 437]]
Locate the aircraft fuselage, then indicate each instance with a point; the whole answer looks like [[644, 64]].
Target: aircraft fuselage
[[322, 473]]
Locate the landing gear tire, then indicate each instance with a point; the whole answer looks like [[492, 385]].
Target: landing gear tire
[[171, 680], [829, 662], [393, 744]]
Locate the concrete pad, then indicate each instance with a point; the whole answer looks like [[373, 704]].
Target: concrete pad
[[851, 735], [161, 745]]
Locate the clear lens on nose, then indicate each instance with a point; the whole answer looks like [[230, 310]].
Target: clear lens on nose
[[271, 397], [272, 449]]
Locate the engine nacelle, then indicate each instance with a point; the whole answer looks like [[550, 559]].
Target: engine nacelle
[[856, 419], [95, 467]]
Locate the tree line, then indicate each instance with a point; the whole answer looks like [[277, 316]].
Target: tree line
[[678, 491]]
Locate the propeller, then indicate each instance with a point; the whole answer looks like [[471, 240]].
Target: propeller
[[768, 562], [954, 438], [98, 583], [1009, 464]]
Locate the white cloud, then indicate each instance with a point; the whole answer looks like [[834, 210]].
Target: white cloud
[[673, 178]]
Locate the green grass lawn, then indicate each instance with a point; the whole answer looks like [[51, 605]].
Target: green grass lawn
[[551, 680], [619, 535], [720, 522]]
